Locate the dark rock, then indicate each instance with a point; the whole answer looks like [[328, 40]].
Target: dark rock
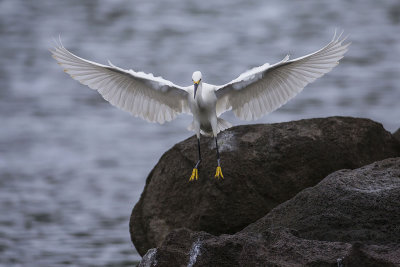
[[274, 248], [397, 135], [348, 205], [263, 166], [278, 247], [351, 218]]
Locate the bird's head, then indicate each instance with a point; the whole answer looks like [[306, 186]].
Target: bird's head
[[196, 78]]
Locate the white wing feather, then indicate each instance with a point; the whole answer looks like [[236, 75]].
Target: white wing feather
[[263, 89], [151, 98]]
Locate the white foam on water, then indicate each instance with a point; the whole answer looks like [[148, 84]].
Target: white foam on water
[[194, 253], [149, 259], [226, 142]]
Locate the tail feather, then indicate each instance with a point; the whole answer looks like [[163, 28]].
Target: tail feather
[[191, 127], [221, 126]]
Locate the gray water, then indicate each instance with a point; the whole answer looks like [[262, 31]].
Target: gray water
[[72, 166]]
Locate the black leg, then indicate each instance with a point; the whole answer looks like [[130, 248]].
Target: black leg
[[198, 147], [195, 172], [216, 145], [218, 173]]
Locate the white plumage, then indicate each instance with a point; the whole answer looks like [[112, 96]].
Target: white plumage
[[263, 89], [151, 98], [253, 94]]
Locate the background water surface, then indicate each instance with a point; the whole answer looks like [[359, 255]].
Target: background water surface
[[72, 166]]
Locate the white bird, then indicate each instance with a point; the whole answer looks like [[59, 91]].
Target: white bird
[[253, 94]]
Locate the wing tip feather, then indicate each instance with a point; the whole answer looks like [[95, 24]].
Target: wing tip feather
[[333, 52]]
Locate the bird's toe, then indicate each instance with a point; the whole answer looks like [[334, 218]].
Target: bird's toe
[[195, 175], [218, 173]]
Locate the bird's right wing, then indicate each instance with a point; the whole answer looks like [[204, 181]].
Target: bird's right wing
[[151, 98], [263, 89]]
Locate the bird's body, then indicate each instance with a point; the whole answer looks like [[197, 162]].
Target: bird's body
[[253, 94], [203, 109]]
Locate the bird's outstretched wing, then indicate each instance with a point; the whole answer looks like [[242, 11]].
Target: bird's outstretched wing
[[263, 89], [151, 98]]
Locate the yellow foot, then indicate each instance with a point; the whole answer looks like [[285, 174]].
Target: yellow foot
[[195, 175], [218, 173]]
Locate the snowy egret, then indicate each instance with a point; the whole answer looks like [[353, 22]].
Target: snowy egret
[[253, 94]]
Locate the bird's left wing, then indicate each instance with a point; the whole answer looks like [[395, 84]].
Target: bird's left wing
[[151, 98], [263, 89]]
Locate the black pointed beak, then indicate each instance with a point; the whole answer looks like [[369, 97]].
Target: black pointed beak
[[195, 88]]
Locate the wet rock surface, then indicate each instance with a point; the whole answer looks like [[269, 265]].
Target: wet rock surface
[[348, 205], [351, 218], [263, 166], [278, 247]]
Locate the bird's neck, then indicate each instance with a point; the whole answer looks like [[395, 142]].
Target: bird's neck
[[199, 93]]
